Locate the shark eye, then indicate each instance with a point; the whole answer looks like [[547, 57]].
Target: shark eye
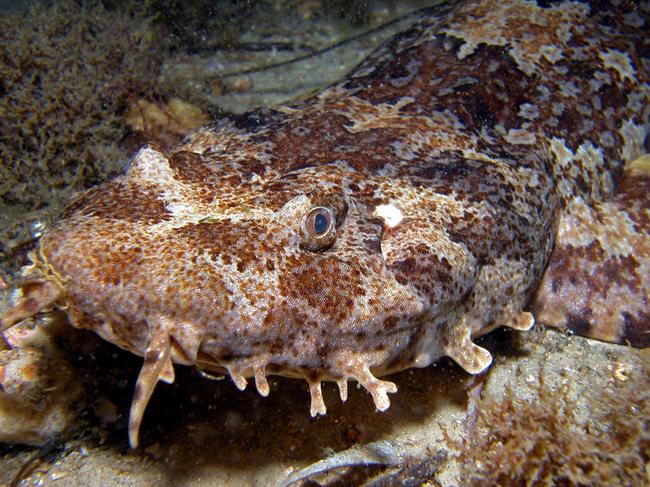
[[318, 228]]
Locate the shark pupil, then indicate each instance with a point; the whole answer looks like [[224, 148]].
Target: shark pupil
[[321, 224]]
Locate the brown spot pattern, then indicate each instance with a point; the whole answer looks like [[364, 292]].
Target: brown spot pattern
[[453, 158]]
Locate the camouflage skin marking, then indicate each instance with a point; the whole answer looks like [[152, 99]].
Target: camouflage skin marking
[[385, 222]]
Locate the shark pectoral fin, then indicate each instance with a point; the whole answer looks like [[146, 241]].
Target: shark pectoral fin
[[157, 366], [597, 283], [35, 296]]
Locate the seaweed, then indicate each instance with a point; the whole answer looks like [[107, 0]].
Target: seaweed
[[542, 442], [67, 71]]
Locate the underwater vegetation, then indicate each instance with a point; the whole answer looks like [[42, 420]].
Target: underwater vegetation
[[542, 441], [67, 72], [73, 74]]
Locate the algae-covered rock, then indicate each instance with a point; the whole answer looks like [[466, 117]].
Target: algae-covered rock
[[39, 392]]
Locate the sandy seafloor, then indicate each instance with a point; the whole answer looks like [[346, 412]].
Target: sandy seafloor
[[204, 432]]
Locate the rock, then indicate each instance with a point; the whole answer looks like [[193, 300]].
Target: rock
[[39, 392]]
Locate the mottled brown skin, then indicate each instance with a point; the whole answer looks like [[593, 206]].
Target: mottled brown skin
[[381, 224], [597, 281]]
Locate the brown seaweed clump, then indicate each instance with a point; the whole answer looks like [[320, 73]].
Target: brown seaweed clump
[[542, 443], [66, 73], [164, 124]]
